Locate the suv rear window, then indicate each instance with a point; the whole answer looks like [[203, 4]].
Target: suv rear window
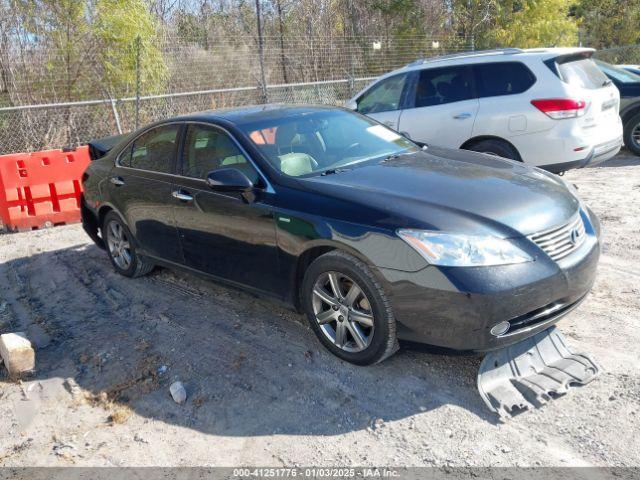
[[503, 78], [581, 72]]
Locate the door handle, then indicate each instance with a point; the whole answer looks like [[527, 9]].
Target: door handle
[[180, 195], [390, 124], [117, 181], [462, 116]]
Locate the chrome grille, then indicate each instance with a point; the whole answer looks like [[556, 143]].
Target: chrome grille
[[559, 242]]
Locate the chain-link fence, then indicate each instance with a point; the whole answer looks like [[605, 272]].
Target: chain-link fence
[[196, 77], [628, 55], [37, 127], [45, 107]]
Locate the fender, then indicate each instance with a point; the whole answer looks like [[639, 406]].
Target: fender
[[629, 110]]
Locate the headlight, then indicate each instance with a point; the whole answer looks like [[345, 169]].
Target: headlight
[[454, 250]]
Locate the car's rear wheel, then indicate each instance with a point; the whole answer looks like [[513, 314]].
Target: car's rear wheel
[[348, 309], [632, 134], [121, 248], [495, 147]]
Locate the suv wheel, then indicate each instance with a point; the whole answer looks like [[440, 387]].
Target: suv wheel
[[121, 248], [348, 309], [632, 134], [496, 147]]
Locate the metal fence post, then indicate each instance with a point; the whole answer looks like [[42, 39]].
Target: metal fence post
[[137, 44], [263, 82], [116, 116]]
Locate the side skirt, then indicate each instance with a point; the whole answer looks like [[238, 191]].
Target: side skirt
[[229, 283]]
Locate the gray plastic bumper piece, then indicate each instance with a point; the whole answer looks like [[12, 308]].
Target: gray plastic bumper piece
[[532, 372]]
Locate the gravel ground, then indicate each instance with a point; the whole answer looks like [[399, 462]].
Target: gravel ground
[[261, 390]]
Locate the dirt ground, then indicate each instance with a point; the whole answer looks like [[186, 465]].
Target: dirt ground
[[261, 390]]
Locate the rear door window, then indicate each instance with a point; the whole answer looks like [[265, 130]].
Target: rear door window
[[439, 86], [385, 96], [207, 149], [581, 72], [503, 78], [154, 150]]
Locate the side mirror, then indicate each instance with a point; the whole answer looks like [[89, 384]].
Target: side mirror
[[351, 105], [229, 180]]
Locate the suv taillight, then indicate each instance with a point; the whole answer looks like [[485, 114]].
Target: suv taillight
[[560, 108]]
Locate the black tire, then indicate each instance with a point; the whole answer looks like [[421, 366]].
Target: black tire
[[384, 342], [496, 147], [631, 125], [138, 265]]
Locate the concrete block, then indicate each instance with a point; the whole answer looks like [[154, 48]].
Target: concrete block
[[17, 353]]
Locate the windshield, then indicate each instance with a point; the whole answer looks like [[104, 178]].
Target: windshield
[[617, 73], [325, 140]]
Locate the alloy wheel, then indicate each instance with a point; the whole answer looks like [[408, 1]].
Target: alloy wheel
[[119, 245], [343, 312]]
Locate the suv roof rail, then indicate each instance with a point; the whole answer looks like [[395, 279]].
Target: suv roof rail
[[476, 53]]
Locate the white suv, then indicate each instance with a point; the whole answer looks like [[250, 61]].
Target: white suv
[[552, 107]]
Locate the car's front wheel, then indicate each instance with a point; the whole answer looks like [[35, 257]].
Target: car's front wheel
[[121, 248], [348, 309]]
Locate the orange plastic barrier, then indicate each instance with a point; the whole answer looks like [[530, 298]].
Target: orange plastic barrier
[[41, 189]]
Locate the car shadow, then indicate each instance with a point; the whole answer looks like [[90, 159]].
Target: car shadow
[[624, 159], [250, 367]]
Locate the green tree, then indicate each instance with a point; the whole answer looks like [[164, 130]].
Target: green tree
[[472, 21], [67, 30], [514, 23], [121, 27], [609, 23]]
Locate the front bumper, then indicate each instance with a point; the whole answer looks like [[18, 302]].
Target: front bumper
[[456, 308]]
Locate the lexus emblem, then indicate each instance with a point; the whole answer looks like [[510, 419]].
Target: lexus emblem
[[575, 236]]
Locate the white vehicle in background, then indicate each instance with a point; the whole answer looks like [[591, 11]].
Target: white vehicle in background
[[552, 107]]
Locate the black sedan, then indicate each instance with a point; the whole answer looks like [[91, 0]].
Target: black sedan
[[374, 237], [628, 83]]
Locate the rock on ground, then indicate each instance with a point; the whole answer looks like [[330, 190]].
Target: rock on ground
[[17, 353]]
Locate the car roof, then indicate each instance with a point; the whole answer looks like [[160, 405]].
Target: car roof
[[254, 113], [483, 56]]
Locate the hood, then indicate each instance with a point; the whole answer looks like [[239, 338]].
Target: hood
[[455, 191]]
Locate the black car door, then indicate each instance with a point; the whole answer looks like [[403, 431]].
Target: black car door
[[141, 186], [226, 234]]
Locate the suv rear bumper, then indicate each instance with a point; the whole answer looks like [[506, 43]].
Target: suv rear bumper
[[598, 154]]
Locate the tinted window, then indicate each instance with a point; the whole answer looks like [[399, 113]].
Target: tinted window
[[384, 96], [124, 158], [207, 149], [507, 78], [438, 86], [154, 150], [581, 72]]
